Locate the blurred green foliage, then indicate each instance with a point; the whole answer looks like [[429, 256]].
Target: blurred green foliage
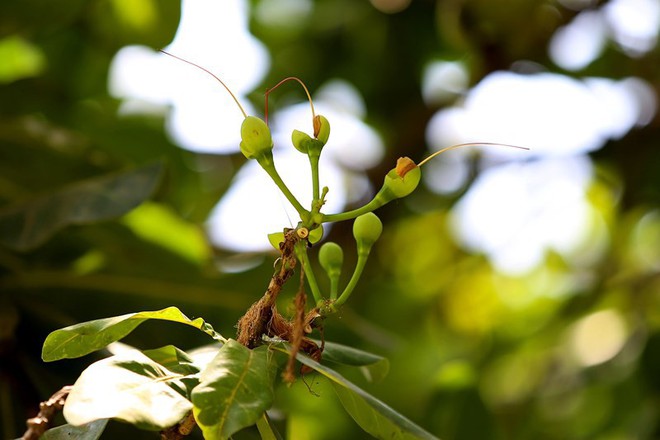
[[567, 351]]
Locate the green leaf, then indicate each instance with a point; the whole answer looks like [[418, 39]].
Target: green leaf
[[159, 224], [29, 224], [129, 387], [234, 390], [177, 361], [22, 59], [87, 337], [374, 416], [173, 359], [88, 431], [374, 367]]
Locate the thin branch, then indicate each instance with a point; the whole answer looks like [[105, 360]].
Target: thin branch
[[47, 412], [180, 430]]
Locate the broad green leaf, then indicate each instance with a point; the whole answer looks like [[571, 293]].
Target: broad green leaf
[[374, 367], [29, 224], [234, 390], [129, 387], [87, 337], [88, 431], [374, 416]]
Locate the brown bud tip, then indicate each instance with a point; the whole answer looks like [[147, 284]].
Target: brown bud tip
[[403, 165]]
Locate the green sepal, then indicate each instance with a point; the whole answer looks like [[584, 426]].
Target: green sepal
[[275, 239], [316, 234], [301, 141]]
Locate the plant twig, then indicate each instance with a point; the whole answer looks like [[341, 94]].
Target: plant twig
[[297, 330], [47, 411], [263, 318], [260, 316], [180, 430]]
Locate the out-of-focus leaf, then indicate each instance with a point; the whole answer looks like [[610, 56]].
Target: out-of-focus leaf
[[374, 367], [87, 337], [88, 431], [129, 387], [234, 390], [159, 224], [374, 416], [266, 429], [21, 59], [29, 224]]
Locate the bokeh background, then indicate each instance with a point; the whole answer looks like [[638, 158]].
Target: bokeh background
[[516, 293]]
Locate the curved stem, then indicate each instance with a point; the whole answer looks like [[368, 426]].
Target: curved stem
[[314, 162], [301, 252], [359, 267], [268, 165], [334, 287], [374, 204]]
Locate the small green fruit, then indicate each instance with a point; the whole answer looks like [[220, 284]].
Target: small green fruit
[[366, 230], [331, 257], [256, 139]]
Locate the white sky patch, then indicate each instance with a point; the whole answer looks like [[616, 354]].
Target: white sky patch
[[443, 81], [514, 213], [632, 24], [204, 117], [551, 114], [579, 43]]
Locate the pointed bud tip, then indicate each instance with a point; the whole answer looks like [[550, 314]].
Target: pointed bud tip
[[403, 165], [321, 128]]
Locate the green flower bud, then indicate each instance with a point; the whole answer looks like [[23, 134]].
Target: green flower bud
[[400, 181], [331, 257], [366, 230], [255, 137], [321, 128], [301, 141]]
